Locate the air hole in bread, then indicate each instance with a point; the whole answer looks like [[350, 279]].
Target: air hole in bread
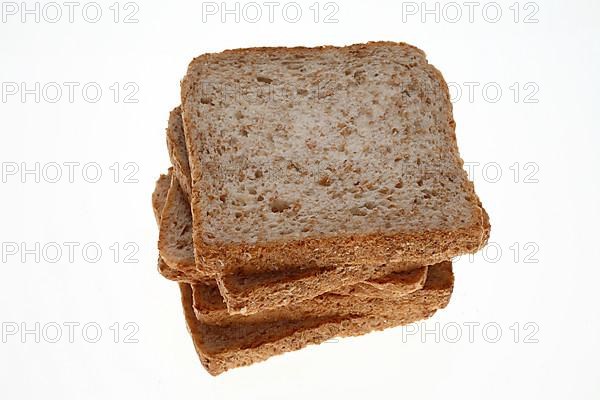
[[264, 79], [325, 181], [279, 205], [359, 212]]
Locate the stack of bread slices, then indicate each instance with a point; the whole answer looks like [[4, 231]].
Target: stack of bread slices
[[314, 193]]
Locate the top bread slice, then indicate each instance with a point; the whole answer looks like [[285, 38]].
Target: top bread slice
[[325, 156]]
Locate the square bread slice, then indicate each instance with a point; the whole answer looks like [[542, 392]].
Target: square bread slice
[[222, 347], [176, 247], [324, 157]]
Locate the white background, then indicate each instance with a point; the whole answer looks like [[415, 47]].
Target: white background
[[539, 280]]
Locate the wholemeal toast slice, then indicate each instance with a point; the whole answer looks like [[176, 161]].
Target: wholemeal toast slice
[[181, 240], [222, 347], [327, 157], [252, 292]]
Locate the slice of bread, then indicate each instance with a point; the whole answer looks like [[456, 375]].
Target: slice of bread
[[222, 347], [210, 307], [324, 157]]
